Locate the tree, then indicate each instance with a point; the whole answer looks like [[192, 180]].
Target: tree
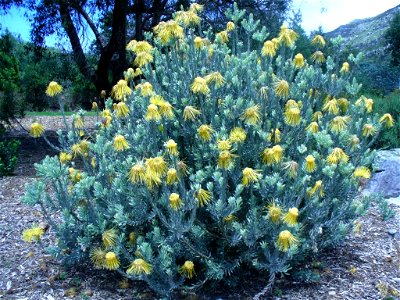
[[114, 23], [393, 37]]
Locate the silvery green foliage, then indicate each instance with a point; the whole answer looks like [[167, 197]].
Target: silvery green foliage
[[234, 230]]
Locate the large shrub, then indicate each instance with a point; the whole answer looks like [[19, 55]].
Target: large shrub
[[218, 159], [8, 155]]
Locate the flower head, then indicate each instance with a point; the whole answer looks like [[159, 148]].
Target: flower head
[[313, 127], [310, 164], [286, 240], [331, 106], [252, 115], [230, 26], [343, 104], [167, 31], [282, 88], [190, 113], [156, 165], [318, 57], [205, 132], [292, 113], [152, 113], [120, 143], [111, 261], [139, 266], [250, 176], [122, 110], [65, 157], [146, 89], [143, 58], [95, 106], [172, 147], [337, 155], [166, 110], [199, 86], [198, 42], [387, 119], [53, 89], [269, 49], [32, 234], [237, 135], [121, 90], [318, 40], [291, 216], [175, 201], [317, 188], [78, 122], [187, 18], [317, 116], [274, 136], [298, 61], [203, 197], [368, 130], [224, 145], [225, 159], [339, 123], [36, 130], [222, 37], [172, 176], [345, 68], [362, 172], [109, 238], [187, 269], [287, 36], [274, 212], [369, 103], [291, 168], [137, 173], [215, 77], [98, 256]]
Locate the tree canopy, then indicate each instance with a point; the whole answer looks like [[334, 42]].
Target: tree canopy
[[393, 37]]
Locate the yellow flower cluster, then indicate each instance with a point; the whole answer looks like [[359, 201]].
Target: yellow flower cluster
[[32, 234]]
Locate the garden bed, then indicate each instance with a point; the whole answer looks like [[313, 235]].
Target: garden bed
[[365, 267]]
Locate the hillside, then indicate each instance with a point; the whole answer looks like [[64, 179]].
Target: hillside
[[366, 35]]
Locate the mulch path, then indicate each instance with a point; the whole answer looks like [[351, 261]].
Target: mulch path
[[367, 266]]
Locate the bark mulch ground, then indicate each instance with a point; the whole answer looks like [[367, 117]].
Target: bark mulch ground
[[366, 266]]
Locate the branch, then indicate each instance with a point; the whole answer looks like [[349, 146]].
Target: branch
[[97, 34]]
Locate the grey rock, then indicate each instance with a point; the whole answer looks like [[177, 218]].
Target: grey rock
[[386, 179]]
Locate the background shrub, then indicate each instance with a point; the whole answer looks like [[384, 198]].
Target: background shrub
[[8, 156], [218, 160]]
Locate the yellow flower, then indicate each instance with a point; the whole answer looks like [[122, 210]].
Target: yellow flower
[[182, 167], [132, 237], [74, 175], [122, 110], [137, 47], [32, 234], [224, 145], [146, 89], [354, 141], [286, 240], [203, 197], [120, 143], [317, 116], [156, 99], [282, 88], [291, 216], [195, 7], [172, 147], [166, 31], [152, 113], [111, 261], [175, 201], [310, 164], [109, 238], [215, 77], [222, 36], [142, 59], [292, 113], [318, 40], [205, 132], [166, 110], [152, 178], [237, 135], [318, 187], [313, 127], [188, 18], [272, 155], [95, 106], [345, 68], [137, 173], [53, 89], [199, 85], [318, 57], [343, 104], [339, 123], [137, 72], [65, 157], [251, 115], [277, 153], [103, 94], [331, 106], [78, 122], [250, 176], [269, 49], [287, 36], [156, 165], [368, 130], [198, 42], [298, 61], [368, 105], [36, 130], [291, 168], [121, 90], [337, 155], [139, 266], [190, 113], [128, 74], [362, 172], [230, 26], [225, 159], [172, 176], [387, 119], [274, 212], [187, 269], [274, 136], [97, 256]]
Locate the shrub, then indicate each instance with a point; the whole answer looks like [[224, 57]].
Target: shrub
[[219, 160], [8, 156]]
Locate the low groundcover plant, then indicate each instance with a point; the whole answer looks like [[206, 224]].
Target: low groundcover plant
[[218, 155]]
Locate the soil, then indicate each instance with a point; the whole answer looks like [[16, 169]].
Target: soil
[[366, 266]]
